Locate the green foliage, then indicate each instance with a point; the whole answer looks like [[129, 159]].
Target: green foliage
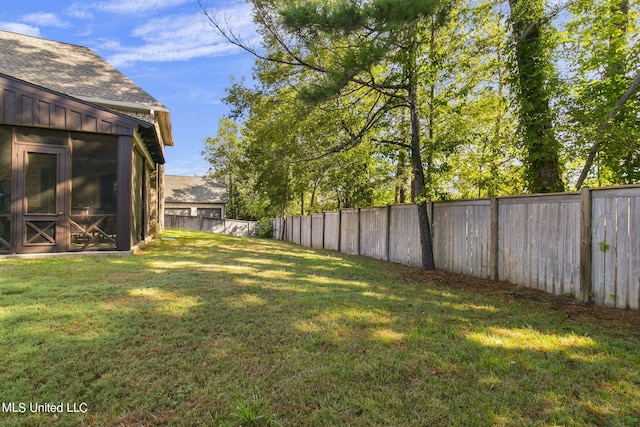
[[350, 17], [264, 228], [496, 99], [604, 246], [603, 54], [533, 72], [227, 155]]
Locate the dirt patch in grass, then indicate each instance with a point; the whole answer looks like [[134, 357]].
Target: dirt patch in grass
[[629, 320]]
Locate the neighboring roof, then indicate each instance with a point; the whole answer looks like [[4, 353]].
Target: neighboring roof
[[194, 189], [79, 72]]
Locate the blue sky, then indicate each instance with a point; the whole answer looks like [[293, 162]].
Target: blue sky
[[167, 47]]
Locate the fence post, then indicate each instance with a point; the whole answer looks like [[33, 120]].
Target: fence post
[[493, 239], [339, 230], [324, 216], [359, 231], [584, 292], [388, 233]]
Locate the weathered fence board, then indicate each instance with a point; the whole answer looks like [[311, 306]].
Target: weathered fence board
[[276, 226], [634, 256], [461, 234], [586, 244], [288, 229], [317, 231], [295, 229], [404, 237], [539, 242], [616, 248], [332, 231], [220, 226], [305, 231], [373, 233], [350, 231]]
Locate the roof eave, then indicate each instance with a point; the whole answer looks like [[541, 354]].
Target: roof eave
[[153, 142], [163, 114]]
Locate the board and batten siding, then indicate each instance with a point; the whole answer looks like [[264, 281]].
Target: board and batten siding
[[22, 103], [585, 244]]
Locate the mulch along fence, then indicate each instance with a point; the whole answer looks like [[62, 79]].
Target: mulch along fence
[[586, 243]]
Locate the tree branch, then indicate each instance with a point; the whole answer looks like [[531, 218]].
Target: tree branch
[[294, 60], [605, 127]]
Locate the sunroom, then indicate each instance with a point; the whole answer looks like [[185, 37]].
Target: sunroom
[[74, 176]]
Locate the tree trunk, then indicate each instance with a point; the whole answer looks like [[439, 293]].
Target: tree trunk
[[400, 193], [543, 164], [418, 182]]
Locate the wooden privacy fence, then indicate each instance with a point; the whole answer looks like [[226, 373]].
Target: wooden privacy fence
[[586, 244], [222, 226]]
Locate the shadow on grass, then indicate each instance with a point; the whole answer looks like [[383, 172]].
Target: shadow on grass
[[183, 331]]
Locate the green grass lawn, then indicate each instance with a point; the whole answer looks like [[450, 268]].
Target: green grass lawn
[[215, 330]]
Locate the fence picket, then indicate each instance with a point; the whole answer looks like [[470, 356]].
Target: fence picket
[[220, 226], [586, 244]]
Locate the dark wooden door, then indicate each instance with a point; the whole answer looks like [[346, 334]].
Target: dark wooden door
[[42, 202]]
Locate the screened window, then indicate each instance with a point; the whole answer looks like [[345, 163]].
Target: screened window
[[93, 194]]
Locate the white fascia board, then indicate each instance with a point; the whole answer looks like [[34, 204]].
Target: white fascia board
[[129, 105]]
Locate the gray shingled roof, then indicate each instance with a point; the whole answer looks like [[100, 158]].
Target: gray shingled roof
[[194, 189], [69, 69]]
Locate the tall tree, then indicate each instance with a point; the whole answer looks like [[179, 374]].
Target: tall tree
[[528, 22], [373, 48], [226, 156]]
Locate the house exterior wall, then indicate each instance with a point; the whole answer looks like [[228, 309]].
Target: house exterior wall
[[143, 200], [191, 209], [31, 111], [160, 195], [137, 200]]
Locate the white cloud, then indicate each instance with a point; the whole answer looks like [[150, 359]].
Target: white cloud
[[179, 38], [137, 6], [86, 10], [16, 27], [80, 11], [165, 53], [44, 19]]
